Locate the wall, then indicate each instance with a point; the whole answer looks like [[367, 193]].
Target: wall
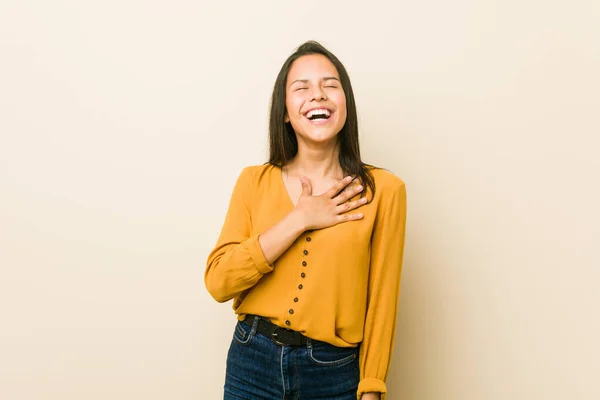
[[123, 126]]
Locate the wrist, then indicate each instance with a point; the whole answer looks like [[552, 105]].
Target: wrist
[[371, 396], [297, 222]]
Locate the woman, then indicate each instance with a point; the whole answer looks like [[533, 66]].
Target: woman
[[311, 249]]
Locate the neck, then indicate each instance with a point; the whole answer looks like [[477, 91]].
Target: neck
[[316, 162]]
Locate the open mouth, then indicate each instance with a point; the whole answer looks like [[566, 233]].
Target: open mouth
[[318, 115]]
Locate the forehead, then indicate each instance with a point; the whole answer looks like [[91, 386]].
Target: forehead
[[313, 66]]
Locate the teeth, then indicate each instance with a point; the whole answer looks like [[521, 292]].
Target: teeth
[[319, 111]]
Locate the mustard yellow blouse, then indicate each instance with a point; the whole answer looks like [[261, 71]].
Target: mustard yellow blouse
[[346, 278]]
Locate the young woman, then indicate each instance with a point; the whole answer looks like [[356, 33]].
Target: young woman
[[311, 249]]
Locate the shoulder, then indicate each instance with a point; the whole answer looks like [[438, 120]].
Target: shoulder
[[386, 182], [254, 174], [390, 194]]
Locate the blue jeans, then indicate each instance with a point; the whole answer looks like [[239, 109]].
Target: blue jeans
[[258, 369]]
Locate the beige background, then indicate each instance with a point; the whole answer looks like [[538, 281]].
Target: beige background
[[124, 124]]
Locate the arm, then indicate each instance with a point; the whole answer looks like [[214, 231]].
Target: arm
[[312, 212], [236, 266], [239, 260], [236, 262], [387, 248]]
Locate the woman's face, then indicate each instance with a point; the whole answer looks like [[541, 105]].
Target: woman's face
[[315, 101]]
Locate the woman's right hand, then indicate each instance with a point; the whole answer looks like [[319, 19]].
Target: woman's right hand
[[330, 208]]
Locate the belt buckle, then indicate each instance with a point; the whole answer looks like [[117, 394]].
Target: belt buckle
[[275, 335]]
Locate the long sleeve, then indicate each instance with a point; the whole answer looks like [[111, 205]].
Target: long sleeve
[[387, 248], [237, 261]]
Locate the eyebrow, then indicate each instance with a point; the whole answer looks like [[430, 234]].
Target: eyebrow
[[327, 78]]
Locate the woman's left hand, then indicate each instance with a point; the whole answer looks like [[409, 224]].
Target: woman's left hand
[[370, 396]]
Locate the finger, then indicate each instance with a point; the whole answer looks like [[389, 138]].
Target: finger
[[337, 188], [350, 187], [351, 205], [349, 217], [306, 188], [348, 194]]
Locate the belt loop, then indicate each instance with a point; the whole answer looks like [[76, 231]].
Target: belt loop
[[308, 343], [254, 325]]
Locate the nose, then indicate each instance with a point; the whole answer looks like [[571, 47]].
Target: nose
[[318, 93]]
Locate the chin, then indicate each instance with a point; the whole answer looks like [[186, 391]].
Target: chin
[[320, 138]]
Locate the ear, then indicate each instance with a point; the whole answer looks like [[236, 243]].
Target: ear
[[286, 119]]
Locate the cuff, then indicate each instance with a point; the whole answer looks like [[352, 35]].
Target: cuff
[[257, 256], [371, 385]]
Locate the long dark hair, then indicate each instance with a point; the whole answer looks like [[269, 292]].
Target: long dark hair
[[283, 144]]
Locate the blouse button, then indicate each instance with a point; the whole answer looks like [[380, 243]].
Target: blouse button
[[287, 322], [291, 311], [304, 263], [303, 274], [308, 239], [305, 252], [300, 286], [295, 299]]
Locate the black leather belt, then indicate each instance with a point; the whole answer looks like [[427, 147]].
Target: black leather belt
[[280, 336]]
